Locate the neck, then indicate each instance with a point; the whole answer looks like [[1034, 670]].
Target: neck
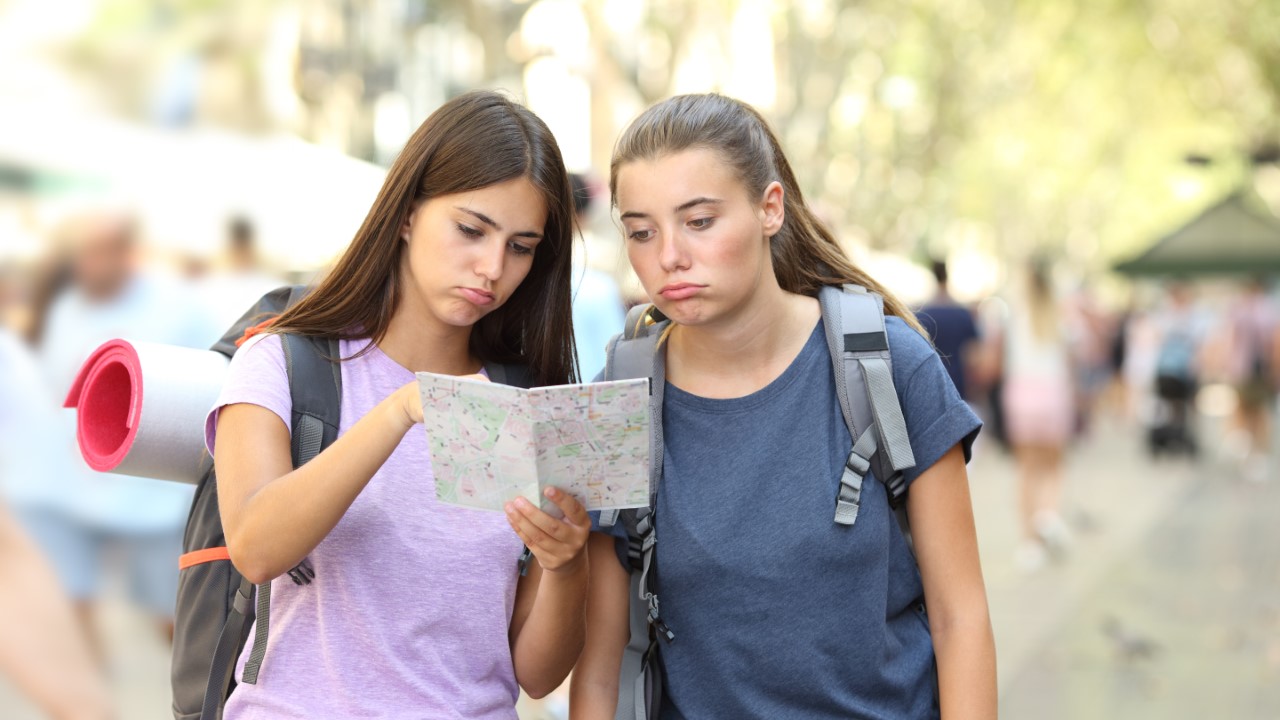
[[744, 351], [420, 343]]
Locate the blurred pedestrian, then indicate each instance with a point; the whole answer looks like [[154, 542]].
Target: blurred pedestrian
[[42, 648], [1040, 412], [1181, 328], [597, 303], [1090, 329], [232, 287], [953, 330], [1254, 366], [77, 516]]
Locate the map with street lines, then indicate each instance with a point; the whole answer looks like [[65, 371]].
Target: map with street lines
[[491, 443]]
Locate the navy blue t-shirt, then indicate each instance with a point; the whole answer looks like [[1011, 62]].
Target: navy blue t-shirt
[[951, 327], [778, 611]]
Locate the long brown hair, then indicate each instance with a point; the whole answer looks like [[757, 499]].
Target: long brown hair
[[805, 253], [473, 141]]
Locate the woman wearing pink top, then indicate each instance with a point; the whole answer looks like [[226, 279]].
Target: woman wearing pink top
[[417, 608]]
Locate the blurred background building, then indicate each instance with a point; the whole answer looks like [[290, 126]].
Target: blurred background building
[[984, 134]]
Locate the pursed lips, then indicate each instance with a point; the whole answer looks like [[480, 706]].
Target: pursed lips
[[680, 290], [478, 296]]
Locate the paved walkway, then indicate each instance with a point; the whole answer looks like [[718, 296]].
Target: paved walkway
[[1167, 607]]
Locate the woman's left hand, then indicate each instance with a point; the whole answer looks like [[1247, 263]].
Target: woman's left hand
[[557, 543]]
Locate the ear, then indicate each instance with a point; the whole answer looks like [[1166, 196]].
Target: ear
[[773, 208], [406, 230]]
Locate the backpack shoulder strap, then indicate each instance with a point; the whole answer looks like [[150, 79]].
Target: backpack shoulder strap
[[853, 319], [637, 353], [634, 354], [315, 384], [509, 374], [273, 303]]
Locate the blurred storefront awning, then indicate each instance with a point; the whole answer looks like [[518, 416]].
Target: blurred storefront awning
[[1238, 235], [305, 201]]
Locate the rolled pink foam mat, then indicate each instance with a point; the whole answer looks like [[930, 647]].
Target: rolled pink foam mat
[[141, 408]]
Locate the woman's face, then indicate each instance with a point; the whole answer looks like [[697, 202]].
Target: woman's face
[[695, 235], [468, 252]]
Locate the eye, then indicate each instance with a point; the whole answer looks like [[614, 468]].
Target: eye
[[701, 223], [470, 231], [519, 249], [640, 235]]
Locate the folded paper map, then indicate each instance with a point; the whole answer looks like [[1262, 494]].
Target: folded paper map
[[491, 443]]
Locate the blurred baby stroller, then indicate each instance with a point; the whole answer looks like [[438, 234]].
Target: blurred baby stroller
[[1171, 428]]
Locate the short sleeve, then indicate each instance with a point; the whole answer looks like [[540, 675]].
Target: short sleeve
[[256, 376], [936, 416]]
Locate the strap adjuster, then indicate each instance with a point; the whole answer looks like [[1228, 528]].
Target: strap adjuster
[[857, 464]]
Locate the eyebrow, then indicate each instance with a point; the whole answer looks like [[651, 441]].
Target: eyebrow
[[680, 208], [493, 224]]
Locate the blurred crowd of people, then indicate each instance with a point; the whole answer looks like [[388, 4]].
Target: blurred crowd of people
[[1039, 363], [63, 524]]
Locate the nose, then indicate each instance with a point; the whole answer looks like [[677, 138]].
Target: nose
[[490, 261], [671, 252]]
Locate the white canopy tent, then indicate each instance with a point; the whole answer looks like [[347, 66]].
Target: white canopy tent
[[306, 202]]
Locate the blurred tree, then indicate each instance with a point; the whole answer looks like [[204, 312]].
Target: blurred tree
[[921, 126]]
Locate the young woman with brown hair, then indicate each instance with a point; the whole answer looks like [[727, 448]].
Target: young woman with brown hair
[[417, 608], [778, 611]]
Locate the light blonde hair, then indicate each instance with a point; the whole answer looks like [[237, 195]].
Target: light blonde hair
[[805, 253]]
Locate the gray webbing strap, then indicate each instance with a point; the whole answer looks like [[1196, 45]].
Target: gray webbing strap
[[608, 518], [633, 663], [638, 692], [888, 413], [858, 343], [855, 469], [254, 663], [227, 652]]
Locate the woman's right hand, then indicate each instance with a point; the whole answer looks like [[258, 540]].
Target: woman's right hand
[[409, 398]]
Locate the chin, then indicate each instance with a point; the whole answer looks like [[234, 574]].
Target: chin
[[683, 313], [459, 316]]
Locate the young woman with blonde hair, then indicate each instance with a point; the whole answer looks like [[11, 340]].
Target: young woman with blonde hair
[[778, 611]]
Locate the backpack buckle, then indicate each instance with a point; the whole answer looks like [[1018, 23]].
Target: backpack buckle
[[302, 573], [857, 464], [655, 620], [897, 486]]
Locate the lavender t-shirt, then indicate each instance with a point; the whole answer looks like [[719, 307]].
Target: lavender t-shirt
[[409, 611]]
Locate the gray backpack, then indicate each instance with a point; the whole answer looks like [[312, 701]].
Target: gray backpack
[[854, 321]]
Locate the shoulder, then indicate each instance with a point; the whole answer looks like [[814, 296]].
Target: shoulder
[[261, 357], [908, 347]]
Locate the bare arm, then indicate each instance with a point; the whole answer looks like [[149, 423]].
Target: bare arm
[[43, 651], [274, 515], [549, 621], [947, 548], [593, 693]]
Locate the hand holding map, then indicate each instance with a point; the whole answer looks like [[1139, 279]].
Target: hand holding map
[[491, 443]]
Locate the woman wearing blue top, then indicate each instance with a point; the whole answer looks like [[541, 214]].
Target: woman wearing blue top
[[779, 612]]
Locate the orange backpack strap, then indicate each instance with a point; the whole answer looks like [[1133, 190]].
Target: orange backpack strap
[[254, 330], [199, 557]]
